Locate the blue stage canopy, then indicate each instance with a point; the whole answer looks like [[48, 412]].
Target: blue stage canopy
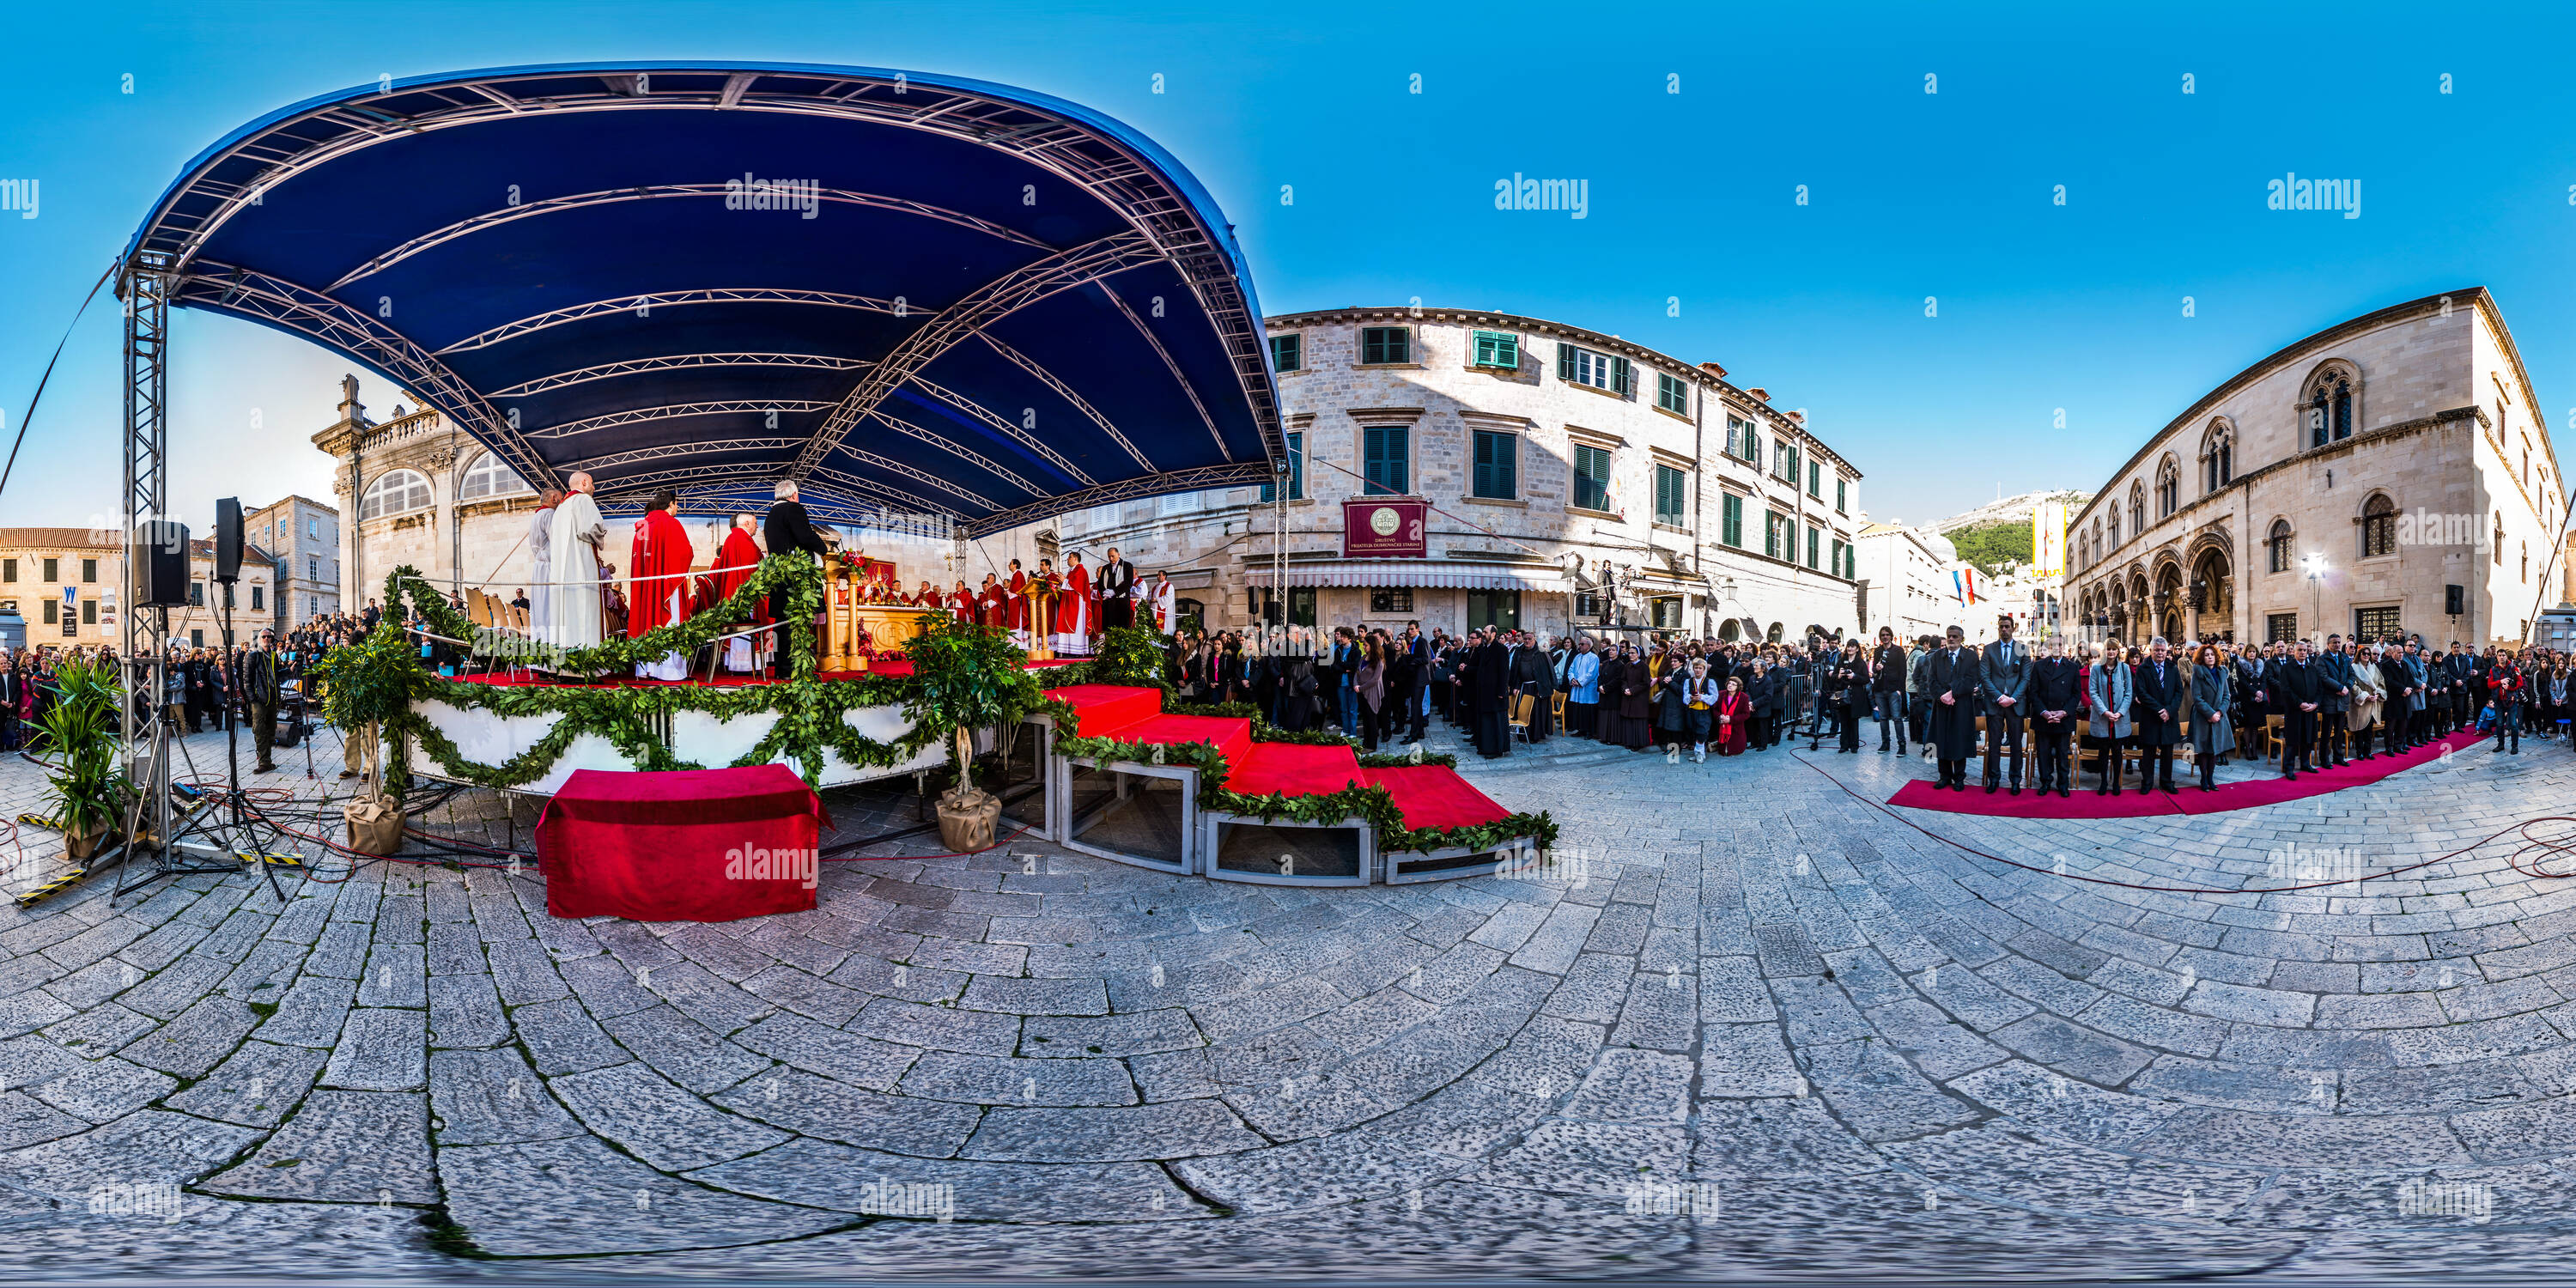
[[912, 293]]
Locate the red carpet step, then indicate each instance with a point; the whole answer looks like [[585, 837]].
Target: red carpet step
[[1101, 710], [1230, 735], [1435, 796], [1292, 769], [2190, 800]]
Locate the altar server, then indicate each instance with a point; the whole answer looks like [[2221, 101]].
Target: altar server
[[1075, 614], [734, 562], [541, 596]]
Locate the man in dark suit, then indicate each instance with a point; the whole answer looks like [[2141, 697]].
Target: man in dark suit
[[2334, 697], [2053, 694], [1117, 585], [1954, 708], [2161, 698], [1489, 690], [2468, 687], [2003, 671], [1417, 668], [2294, 685], [2393, 716], [261, 690], [785, 530]]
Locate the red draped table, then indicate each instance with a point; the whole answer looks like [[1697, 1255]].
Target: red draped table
[[683, 845]]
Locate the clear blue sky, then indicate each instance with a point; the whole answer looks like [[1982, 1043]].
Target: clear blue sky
[[1911, 194]]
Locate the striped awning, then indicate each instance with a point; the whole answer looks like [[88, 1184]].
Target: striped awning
[[1426, 574]]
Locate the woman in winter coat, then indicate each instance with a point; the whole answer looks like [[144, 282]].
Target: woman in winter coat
[[2369, 698], [2107, 695], [1734, 719], [1633, 726], [2212, 691]]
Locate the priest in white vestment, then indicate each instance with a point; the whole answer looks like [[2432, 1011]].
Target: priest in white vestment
[[574, 545], [541, 597]]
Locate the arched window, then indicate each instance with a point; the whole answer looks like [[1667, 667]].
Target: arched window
[[2329, 409], [2218, 458], [490, 477], [2378, 526], [2115, 526], [2168, 487], [2278, 560], [395, 492], [2137, 509]]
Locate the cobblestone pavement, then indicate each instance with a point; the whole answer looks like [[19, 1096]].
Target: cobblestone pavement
[[1771, 1031]]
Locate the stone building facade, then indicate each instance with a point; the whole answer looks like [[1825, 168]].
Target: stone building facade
[[418, 492], [1908, 591], [2342, 485], [1572, 476], [302, 537], [66, 586]]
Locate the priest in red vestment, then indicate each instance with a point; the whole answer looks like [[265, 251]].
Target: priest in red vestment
[[961, 601], [659, 598], [1075, 615], [991, 607], [929, 597], [1017, 621], [734, 562]]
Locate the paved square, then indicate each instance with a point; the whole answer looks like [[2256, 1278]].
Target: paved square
[[1766, 1030]]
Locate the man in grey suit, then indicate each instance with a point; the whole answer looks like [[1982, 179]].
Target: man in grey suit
[[2004, 673]]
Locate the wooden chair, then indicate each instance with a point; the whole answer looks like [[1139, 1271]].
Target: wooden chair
[[1556, 708], [478, 609], [1519, 719]]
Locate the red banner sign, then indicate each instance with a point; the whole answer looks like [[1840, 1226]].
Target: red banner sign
[[1385, 527]]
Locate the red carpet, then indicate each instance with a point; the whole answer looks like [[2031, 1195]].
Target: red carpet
[[1101, 709], [1435, 796], [1230, 735], [1294, 769], [2271, 790]]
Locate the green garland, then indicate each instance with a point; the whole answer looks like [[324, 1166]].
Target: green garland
[[1130, 655]]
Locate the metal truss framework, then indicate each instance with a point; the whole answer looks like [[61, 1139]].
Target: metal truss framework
[[143, 634], [1074, 151], [1002, 425], [1062, 390], [1197, 480], [680, 451], [681, 362], [979, 308], [335, 324], [674, 411], [651, 192], [643, 306]]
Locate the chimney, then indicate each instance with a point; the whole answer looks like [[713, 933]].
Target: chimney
[[1713, 369], [1760, 395]]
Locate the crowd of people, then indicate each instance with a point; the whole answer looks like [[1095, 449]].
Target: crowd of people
[[2321, 703]]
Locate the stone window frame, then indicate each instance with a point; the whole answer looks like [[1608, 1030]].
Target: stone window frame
[[2168, 486], [377, 484], [2377, 528], [2344, 414], [2280, 546], [2217, 457]]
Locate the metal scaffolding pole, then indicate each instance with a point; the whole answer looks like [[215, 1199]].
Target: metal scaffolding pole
[[144, 633]]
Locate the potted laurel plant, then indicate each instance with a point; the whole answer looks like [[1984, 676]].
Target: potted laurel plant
[[86, 788], [968, 677]]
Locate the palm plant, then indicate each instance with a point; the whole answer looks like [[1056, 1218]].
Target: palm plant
[[85, 784]]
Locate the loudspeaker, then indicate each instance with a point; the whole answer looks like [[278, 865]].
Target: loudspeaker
[[158, 558], [2455, 600], [228, 540]]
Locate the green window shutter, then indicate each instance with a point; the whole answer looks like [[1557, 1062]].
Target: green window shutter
[[1564, 361], [1621, 377], [1731, 523]]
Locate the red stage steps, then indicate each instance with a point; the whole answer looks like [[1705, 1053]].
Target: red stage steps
[[1426, 795]]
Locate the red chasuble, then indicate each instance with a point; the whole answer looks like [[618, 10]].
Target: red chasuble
[[734, 561], [962, 604], [990, 605], [1073, 612], [661, 547], [1019, 601]]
